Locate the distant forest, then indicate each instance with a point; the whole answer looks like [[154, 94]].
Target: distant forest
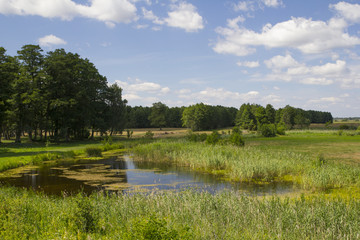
[[63, 96]]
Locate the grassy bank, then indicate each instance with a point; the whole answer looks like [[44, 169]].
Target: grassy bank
[[184, 215], [312, 158], [15, 155]]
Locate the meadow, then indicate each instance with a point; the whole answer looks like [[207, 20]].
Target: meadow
[[324, 163]]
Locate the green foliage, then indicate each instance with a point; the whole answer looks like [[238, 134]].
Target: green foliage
[[39, 158], [149, 135], [176, 215], [268, 130], [129, 133], [237, 139], [93, 151], [152, 227], [158, 115], [213, 138], [195, 137], [344, 127], [280, 129]]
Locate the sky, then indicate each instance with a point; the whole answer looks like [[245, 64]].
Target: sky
[[218, 52]]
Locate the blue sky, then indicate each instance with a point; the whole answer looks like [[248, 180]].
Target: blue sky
[[301, 53]]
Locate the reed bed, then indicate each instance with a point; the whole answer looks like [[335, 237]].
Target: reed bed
[[252, 163], [175, 215]]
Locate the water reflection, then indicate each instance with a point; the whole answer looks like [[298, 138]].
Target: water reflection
[[124, 174]]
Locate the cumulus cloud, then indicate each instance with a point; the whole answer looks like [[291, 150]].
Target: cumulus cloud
[[316, 81], [350, 12], [185, 16], [248, 64], [244, 6], [51, 40], [218, 96], [286, 68], [134, 88], [332, 100], [280, 62], [272, 3], [303, 34], [110, 12]]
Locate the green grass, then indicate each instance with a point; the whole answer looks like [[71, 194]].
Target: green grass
[[15, 155], [169, 215], [292, 157]]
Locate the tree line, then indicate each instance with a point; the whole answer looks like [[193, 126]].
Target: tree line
[[61, 95], [57, 95], [205, 117]]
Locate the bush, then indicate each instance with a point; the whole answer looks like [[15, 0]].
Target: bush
[[149, 135], [280, 130], [236, 130], [236, 139], [344, 127], [268, 130], [193, 137], [93, 151], [213, 138]]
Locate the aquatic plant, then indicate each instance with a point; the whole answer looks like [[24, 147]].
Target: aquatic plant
[[93, 151]]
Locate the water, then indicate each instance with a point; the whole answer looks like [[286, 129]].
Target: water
[[125, 175]]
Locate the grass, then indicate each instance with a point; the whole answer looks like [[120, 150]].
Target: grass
[[321, 161], [293, 157], [169, 215], [15, 155]]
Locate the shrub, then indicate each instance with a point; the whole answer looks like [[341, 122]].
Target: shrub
[[93, 151], [129, 133], [344, 127], [149, 135], [280, 130], [236, 130], [236, 139], [268, 130], [193, 137], [213, 138]]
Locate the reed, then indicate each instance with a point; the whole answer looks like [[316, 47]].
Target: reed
[[175, 215], [251, 163]]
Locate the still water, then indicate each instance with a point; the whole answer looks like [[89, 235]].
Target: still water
[[126, 175]]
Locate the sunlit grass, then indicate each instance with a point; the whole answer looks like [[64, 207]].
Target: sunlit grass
[[182, 215]]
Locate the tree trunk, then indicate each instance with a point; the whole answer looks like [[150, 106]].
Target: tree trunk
[[18, 136]]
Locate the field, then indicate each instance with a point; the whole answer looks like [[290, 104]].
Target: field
[[324, 163]]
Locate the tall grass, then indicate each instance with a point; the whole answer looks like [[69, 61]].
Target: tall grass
[[251, 163], [182, 215]]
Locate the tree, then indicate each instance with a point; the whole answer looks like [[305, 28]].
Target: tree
[[197, 117], [32, 75], [8, 72], [158, 115], [116, 109]]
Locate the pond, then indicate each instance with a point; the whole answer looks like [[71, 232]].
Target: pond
[[124, 174]]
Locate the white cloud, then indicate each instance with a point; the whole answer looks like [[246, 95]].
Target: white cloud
[[272, 3], [110, 12], [219, 96], [317, 81], [233, 23], [302, 34], [332, 100], [280, 62], [349, 11], [272, 99], [286, 68], [185, 16], [248, 64], [51, 40], [244, 6], [149, 15]]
